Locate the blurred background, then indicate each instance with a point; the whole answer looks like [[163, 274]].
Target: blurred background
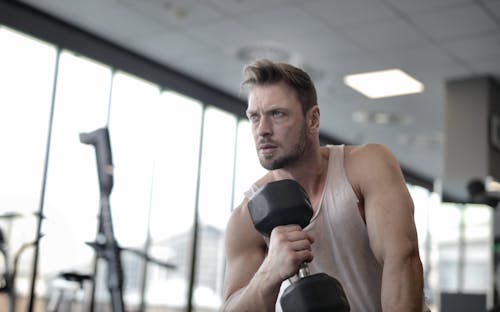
[[164, 77]]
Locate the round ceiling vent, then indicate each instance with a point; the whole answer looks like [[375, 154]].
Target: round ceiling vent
[[250, 53]]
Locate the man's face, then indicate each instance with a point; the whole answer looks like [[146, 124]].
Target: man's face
[[278, 125]]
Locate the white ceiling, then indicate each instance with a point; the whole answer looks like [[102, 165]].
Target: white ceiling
[[433, 40]]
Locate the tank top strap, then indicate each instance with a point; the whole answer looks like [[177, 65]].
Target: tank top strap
[[337, 176]]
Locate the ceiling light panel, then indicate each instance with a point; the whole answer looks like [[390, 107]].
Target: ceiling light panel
[[385, 83]]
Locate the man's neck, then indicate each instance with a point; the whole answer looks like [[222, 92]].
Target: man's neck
[[310, 171]]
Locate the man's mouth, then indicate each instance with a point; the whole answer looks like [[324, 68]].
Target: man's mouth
[[267, 149]]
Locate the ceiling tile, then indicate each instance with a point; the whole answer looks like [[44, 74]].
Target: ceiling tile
[[487, 67], [237, 7], [349, 12], [425, 54], [476, 48], [433, 77], [230, 32], [338, 67], [322, 44], [72, 7], [108, 22], [386, 35], [412, 6], [166, 45], [102, 17], [494, 8], [180, 13], [194, 61], [449, 23], [220, 67], [292, 22]]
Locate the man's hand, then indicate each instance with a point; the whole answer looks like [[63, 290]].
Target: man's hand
[[289, 247]]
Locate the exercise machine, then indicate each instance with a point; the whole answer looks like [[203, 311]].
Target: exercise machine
[[105, 246], [8, 277]]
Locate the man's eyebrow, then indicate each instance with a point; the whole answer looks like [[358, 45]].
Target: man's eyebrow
[[269, 110]]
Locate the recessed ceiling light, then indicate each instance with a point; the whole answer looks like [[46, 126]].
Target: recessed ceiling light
[[385, 83]]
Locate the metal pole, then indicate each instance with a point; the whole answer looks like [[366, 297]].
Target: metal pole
[[194, 250], [147, 245], [42, 192]]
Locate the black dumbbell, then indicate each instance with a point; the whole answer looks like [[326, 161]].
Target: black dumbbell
[[285, 202]]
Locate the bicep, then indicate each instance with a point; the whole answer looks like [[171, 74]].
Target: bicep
[[244, 252], [388, 207]]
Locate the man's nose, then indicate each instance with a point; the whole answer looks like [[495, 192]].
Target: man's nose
[[265, 127]]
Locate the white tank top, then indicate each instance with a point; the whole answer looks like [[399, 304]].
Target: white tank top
[[341, 248]]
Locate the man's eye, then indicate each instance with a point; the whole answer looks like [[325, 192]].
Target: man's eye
[[278, 114], [253, 118]]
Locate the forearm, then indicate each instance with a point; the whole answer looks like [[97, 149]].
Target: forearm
[[259, 295], [402, 284]]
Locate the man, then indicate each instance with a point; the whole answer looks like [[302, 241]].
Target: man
[[362, 231]]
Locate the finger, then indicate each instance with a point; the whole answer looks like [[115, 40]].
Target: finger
[[299, 235], [295, 258], [287, 228], [300, 245], [304, 256], [294, 228]]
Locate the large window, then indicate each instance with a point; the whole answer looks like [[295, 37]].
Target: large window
[[133, 104], [247, 166], [456, 246], [216, 188], [464, 244], [72, 196], [176, 139], [27, 67]]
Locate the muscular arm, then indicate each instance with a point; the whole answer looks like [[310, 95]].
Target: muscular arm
[[253, 272], [245, 251], [389, 218]]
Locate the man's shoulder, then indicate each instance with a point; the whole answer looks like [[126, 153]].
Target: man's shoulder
[[366, 150], [239, 213], [360, 160], [240, 228]]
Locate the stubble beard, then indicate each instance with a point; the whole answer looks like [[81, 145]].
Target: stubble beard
[[289, 158]]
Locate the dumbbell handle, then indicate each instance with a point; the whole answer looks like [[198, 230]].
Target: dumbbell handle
[[303, 270]]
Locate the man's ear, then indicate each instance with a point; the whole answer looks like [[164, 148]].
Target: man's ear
[[313, 119]]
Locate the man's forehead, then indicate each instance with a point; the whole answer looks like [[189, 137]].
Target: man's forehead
[[271, 100], [263, 92]]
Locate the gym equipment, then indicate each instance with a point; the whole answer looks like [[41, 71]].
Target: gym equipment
[[70, 286], [105, 245], [8, 278], [479, 195], [285, 202]]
